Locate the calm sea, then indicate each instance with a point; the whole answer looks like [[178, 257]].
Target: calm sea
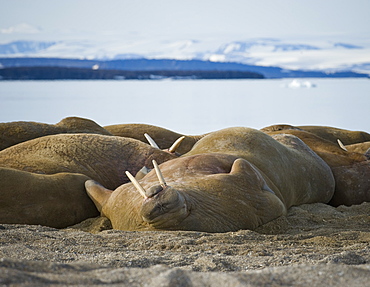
[[192, 106]]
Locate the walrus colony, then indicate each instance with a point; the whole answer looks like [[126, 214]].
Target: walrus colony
[[236, 178]]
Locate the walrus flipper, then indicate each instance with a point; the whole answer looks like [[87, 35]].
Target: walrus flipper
[[98, 193]]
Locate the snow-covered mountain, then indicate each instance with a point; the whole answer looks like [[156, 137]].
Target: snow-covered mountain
[[24, 47], [314, 55]]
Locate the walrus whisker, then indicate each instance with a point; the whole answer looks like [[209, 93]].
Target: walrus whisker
[[341, 145], [159, 174], [176, 144], [151, 141], [138, 186]]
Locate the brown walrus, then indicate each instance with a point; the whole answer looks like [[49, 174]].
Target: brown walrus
[[330, 152], [351, 169], [332, 134], [16, 132], [270, 154], [102, 158], [363, 148], [237, 178], [347, 137], [57, 200], [163, 137], [352, 184]]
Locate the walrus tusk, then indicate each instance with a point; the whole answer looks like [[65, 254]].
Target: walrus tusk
[[138, 186], [341, 145], [151, 141], [176, 144], [367, 153], [159, 174]]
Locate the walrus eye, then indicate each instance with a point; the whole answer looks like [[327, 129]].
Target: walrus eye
[[153, 190]]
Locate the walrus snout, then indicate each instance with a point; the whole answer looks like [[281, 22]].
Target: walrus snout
[[154, 190], [166, 208]]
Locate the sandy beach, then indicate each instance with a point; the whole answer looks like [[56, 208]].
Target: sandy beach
[[315, 244]]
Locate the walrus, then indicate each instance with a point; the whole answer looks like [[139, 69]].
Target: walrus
[[270, 154], [351, 169], [57, 200], [16, 132], [236, 178], [163, 137], [102, 158], [279, 127], [332, 134], [352, 184], [347, 137], [332, 153], [363, 148]]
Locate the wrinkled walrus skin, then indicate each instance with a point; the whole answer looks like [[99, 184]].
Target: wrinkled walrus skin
[[237, 178], [58, 200], [102, 158], [16, 132]]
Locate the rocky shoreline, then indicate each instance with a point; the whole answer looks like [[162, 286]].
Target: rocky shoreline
[[314, 244]]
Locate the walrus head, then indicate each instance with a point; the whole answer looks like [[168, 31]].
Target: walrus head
[[167, 207], [163, 205], [205, 192]]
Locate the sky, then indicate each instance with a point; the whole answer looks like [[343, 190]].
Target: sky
[[191, 19], [116, 29], [147, 24]]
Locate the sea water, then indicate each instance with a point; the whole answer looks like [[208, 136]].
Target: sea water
[[192, 106]]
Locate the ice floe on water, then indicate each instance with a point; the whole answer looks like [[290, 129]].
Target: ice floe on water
[[297, 84]]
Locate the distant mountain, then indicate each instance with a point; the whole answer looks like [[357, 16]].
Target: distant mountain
[[39, 48], [169, 65], [270, 44], [273, 57], [24, 47], [347, 46]]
